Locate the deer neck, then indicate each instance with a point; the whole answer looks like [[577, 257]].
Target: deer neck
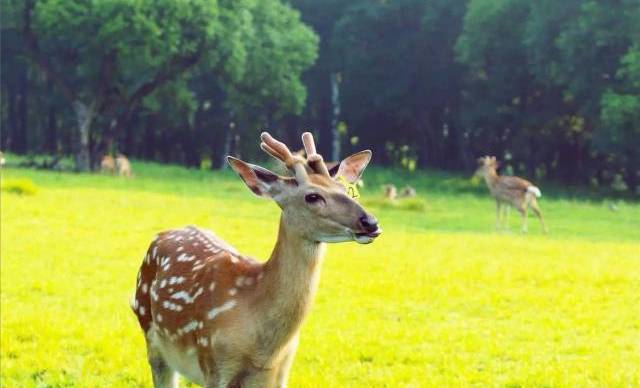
[[491, 177], [290, 282]]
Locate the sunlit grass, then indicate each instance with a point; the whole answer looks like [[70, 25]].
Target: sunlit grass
[[440, 299]]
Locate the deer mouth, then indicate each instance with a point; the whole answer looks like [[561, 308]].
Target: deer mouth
[[367, 237]]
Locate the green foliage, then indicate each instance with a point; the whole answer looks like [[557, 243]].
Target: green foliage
[[22, 186], [550, 87], [279, 48], [170, 57], [450, 301], [551, 83]]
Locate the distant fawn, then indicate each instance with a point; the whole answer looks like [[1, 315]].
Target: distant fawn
[[222, 319], [107, 164], [509, 191], [123, 165], [390, 192]]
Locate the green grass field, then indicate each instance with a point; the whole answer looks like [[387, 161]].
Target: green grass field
[[440, 299]]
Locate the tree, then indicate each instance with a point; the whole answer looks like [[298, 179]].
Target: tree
[[107, 56]]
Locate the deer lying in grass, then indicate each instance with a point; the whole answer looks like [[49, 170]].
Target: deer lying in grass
[[223, 319], [407, 192], [390, 192], [509, 191]]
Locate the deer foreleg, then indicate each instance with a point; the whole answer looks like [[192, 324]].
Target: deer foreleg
[[163, 375], [524, 219], [285, 365], [507, 211]]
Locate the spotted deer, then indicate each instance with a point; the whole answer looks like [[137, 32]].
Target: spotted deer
[[223, 319], [509, 191]]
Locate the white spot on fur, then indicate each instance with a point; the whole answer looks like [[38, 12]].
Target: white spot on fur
[[142, 310], [233, 291], [171, 306], [185, 257], [159, 317], [212, 286], [197, 268], [240, 281], [186, 297], [176, 280], [218, 310], [144, 288], [189, 327], [163, 283], [204, 341]]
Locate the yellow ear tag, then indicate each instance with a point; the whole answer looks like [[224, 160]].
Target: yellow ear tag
[[352, 190]]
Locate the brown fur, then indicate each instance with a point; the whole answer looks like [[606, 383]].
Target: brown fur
[[123, 165], [509, 191], [108, 164]]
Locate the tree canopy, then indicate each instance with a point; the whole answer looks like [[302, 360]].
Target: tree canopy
[[551, 87]]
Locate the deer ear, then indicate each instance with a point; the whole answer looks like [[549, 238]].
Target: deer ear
[[351, 167], [261, 181]]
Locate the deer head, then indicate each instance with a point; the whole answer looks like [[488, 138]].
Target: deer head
[[313, 200], [487, 164]]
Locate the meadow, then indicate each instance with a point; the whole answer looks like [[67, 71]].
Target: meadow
[[440, 299]]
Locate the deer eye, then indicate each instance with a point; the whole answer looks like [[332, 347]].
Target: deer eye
[[313, 198]]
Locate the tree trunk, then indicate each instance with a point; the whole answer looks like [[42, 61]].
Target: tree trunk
[[52, 125], [84, 117], [149, 145], [228, 143], [12, 123], [335, 115], [20, 140]]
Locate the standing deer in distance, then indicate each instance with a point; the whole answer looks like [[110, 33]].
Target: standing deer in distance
[[509, 191], [222, 319]]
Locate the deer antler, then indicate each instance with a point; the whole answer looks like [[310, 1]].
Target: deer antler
[[281, 152], [314, 159]]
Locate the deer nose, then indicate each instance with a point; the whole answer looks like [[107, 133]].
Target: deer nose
[[369, 223]]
